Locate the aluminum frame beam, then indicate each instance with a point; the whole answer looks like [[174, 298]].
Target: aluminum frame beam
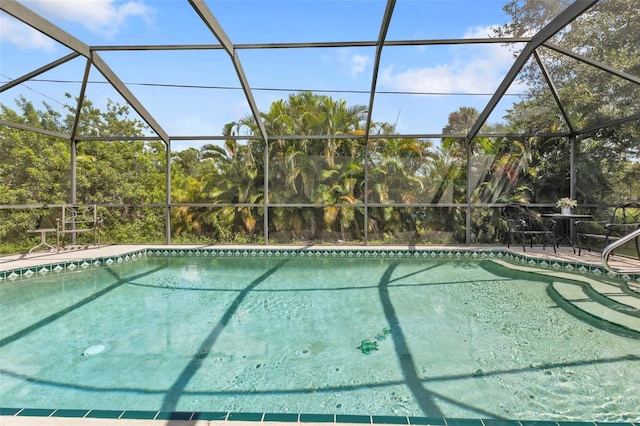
[[124, 91], [83, 88], [39, 71], [214, 26], [318, 44], [323, 137], [554, 91], [37, 22], [212, 23], [384, 27], [34, 129], [40, 24], [594, 63], [611, 123], [558, 23]]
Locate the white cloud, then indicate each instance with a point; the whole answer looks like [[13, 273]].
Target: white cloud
[[23, 36], [348, 61], [477, 68], [358, 64], [104, 17], [480, 32]]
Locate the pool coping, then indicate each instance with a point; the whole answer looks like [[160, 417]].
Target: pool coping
[[116, 417], [196, 418], [81, 263]]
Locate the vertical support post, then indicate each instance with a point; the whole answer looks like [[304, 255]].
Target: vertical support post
[[73, 189], [266, 192], [468, 196], [572, 180], [74, 143], [167, 208], [366, 191], [74, 132], [74, 183], [573, 168]]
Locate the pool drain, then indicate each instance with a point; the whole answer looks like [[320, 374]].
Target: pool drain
[[94, 350]]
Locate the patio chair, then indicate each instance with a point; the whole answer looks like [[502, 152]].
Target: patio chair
[[616, 223], [521, 222], [76, 220]]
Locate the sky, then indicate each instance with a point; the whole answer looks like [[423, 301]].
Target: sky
[[433, 80]]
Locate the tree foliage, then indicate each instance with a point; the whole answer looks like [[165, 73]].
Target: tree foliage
[[416, 190], [114, 172], [608, 34]]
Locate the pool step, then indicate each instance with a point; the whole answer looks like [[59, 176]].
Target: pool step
[[612, 310], [604, 304]]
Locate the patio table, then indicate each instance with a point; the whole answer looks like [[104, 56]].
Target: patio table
[[43, 238], [567, 232]]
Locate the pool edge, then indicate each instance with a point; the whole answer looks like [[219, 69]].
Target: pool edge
[[83, 417], [74, 265]]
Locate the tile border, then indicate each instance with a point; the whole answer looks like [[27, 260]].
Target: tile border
[[328, 253], [291, 418]]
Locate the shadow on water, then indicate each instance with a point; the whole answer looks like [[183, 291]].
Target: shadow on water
[[543, 369], [307, 289], [57, 315], [175, 392], [513, 274], [424, 398]]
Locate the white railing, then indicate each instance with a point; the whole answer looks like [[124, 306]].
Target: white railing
[[608, 251]]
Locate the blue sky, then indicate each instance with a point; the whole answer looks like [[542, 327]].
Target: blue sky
[[460, 75]]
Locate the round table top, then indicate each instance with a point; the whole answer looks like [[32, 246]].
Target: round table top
[[567, 216]]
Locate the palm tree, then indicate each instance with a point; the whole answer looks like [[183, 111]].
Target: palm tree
[[306, 171]]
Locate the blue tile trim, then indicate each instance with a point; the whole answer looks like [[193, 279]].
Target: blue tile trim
[[69, 413], [351, 418], [537, 423], [280, 417], [317, 418], [245, 417], [500, 422], [289, 417], [174, 415], [204, 415], [104, 414], [393, 420], [464, 422], [35, 412], [139, 415], [433, 421], [286, 253]]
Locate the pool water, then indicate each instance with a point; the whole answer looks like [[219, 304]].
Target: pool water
[[436, 338]]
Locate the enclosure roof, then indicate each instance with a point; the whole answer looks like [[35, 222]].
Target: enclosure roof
[[187, 68]]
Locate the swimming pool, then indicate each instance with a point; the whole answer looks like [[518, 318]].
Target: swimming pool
[[456, 337]]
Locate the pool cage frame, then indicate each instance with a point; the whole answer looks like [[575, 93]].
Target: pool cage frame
[[93, 59]]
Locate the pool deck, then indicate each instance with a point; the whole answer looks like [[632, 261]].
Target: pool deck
[[29, 260]]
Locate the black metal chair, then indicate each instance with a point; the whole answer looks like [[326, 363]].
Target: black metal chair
[[618, 222], [527, 226]]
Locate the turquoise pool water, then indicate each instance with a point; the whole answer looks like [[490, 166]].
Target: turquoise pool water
[[455, 338]]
